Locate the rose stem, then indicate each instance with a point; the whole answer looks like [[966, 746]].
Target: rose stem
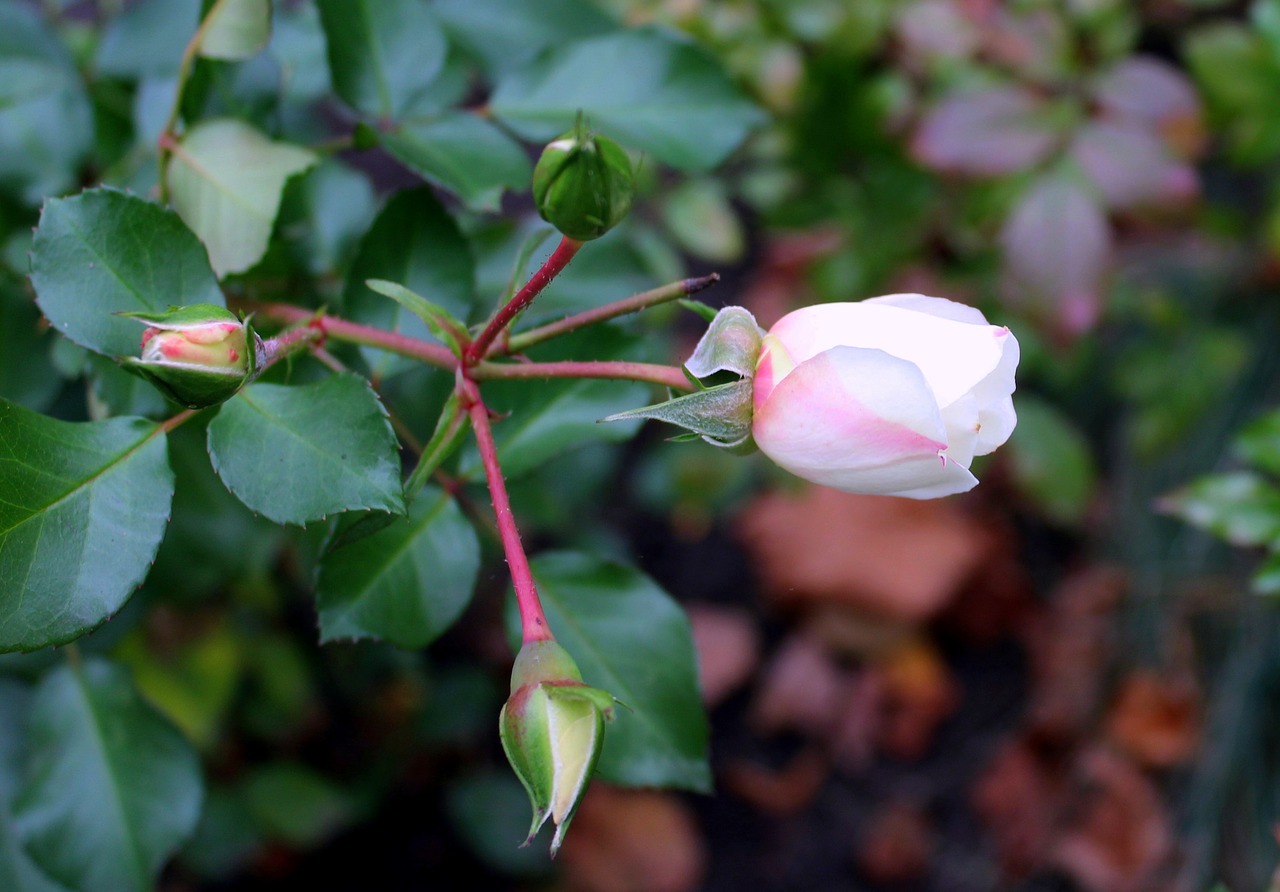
[[633, 304], [533, 622], [558, 260]]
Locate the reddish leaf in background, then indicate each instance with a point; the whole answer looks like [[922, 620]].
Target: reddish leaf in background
[[1130, 166], [936, 29], [985, 132], [1057, 248], [1147, 91]]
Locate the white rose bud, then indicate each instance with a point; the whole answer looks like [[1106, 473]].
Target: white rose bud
[[893, 396]]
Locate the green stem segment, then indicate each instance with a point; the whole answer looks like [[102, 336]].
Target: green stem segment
[[533, 622]]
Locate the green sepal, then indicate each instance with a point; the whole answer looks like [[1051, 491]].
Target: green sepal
[[176, 318], [705, 310], [190, 387], [721, 415], [730, 344], [439, 320]]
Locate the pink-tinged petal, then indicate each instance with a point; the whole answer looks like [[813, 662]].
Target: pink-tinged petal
[[774, 364], [953, 356], [934, 306], [859, 420], [210, 333]]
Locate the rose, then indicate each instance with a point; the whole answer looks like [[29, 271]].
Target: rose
[[197, 356], [552, 730], [894, 395]]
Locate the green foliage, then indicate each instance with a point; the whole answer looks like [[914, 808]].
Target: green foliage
[[630, 639], [103, 253], [406, 583], [1242, 507], [300, 453], [104, 770], [85, 507]]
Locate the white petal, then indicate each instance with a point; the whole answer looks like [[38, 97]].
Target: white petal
[[859, 420], [953, 356]]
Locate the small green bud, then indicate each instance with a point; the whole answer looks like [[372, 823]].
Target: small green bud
[[197, 356], [552, 730], [583, 184]]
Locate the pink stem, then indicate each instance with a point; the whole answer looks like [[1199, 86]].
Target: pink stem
[[558, 260], [533, 622], [345, 330], [666, 375]]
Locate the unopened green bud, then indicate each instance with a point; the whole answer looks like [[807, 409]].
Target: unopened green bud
[[552, 730], [583, 184], [197, 356]]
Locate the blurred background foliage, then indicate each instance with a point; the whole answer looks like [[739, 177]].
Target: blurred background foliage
[[1056, 682]]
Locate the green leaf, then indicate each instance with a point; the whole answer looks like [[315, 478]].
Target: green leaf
[[46, 120], [630, 639], [236, 29], [298, 454], [295, 805], [407, 583], [648, 89], [465, 154], [226, 178], [503, 35], [111, 788], [1052, 462], [27, 374], [83, 510], [104, 252], [1240, 507], [1259, 443], [439, 320], [414, 242], [18, 873], [147, 39], [383, 54]]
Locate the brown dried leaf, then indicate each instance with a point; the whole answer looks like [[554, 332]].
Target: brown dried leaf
[[782, 792], [898, 844], [918, 694], [897, 558], [803, 689], [1120, 837], [1017, 798], [633, 841], [728, 646], [1070, 647], [1156, 720]]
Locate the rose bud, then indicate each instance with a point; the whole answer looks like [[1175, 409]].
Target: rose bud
[[197, 356], [893, 396], [552, 730], [583, 184]]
